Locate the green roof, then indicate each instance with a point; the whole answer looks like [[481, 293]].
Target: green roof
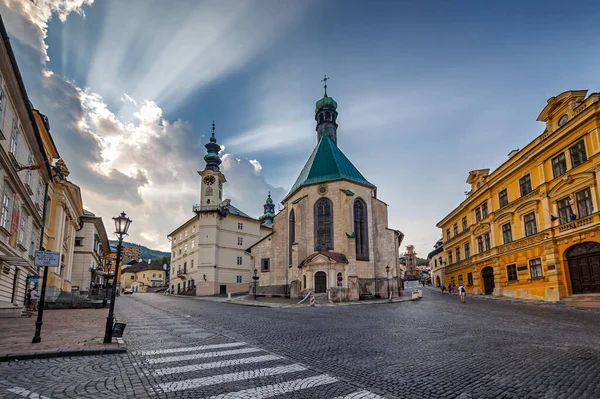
[[327, 163]]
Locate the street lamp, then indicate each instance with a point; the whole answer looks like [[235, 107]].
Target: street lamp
[[122, 223], [255, 278], [387, 270]]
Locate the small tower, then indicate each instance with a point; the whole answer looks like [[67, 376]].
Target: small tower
[[212, 178], [267, 217], [326, 116]]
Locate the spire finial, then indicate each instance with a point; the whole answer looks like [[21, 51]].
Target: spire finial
[[269, 193], [213, 129], [324, 80]]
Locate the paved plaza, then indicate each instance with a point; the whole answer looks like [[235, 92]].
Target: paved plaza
[[185, 347]]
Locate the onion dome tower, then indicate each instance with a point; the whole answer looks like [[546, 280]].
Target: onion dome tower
[[269, 206], [326, 116], [212, 157]]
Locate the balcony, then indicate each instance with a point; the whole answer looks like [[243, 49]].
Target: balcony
[[182, 273], [209, 208], [578, 223]]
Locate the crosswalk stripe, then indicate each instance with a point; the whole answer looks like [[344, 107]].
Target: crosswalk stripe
[[26, 393], [360, 395], [268, 391], [191, 348], [214, 365], [204, 355], [222, 378]]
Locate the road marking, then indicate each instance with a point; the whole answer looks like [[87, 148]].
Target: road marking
[[231, 377], [204, 355], [360, 395], [268, 391], [28, 394], [214, 365], [191, 348]]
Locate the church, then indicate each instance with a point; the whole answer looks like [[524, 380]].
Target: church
[[332, 235]]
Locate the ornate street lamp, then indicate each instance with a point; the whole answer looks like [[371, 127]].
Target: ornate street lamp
[[255, 278], [122, 223], [387, 270]]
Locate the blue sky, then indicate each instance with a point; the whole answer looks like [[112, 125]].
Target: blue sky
[[427, 91]]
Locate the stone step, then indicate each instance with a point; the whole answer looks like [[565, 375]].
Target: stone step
[[582, 298]]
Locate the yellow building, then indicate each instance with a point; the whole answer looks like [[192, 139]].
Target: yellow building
[[64, 208], [142, 275], [531, 228]]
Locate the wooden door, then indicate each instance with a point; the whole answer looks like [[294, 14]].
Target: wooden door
[[320, 282]]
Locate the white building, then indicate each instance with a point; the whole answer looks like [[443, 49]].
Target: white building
[[208, 254], [21, 190], [91, 245]]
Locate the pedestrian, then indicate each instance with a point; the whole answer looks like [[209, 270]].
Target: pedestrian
[[462, 292], [28, 299], [34, 299], [443, 288]]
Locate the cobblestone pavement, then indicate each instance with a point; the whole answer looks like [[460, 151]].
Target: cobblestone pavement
[[182, 347]]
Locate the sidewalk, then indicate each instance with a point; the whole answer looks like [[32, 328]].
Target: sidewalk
[[515, 300], [65, 332]]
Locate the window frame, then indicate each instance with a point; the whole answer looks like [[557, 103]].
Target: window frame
[[575, 152], [291, 236], [467, 250], [559, 167], [525, 184], [506, 232], [361, 229], [469, 278], [487, 241], [457, 253], [240, 241], [526, 222], [455, 228], [239, 261], [537, 267], [480, 244], [323, 224], [563, 207], [503, 198], [263, 262], [511, 271], [588, 205], [6, 212], [465, 224]]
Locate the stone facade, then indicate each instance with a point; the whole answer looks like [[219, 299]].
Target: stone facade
[[291, 261], [410, 258], [91, 244]]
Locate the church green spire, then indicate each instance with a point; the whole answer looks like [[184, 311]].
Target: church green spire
[[269, 207], [212, 156], [326, 116]]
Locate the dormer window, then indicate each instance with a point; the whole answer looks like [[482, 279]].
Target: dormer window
[[563, 119]]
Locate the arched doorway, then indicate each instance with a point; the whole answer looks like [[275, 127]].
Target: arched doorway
[[488, 280], [437, 281], [584, 267], [320, 282]]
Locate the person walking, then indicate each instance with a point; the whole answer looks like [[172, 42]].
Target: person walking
[[462, 292], [34, 299]]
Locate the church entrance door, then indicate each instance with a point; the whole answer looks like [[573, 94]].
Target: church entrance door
[[320, 282], [488, 280]]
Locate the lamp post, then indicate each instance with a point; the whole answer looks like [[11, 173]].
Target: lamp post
[[255, 278], [387, 270], [122, 223]]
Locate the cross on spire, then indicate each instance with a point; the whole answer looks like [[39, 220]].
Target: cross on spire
[[324, 80]]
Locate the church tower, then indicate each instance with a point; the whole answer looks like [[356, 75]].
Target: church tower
[[267, 217], [212, 178], [326, 116]]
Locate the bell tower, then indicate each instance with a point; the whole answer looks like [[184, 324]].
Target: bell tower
[[326, 116], [212, 178]]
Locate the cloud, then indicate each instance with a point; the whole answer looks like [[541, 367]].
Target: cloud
[[141, 163]]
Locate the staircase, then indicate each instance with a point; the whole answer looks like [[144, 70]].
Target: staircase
[[321, 298], [582, 301]]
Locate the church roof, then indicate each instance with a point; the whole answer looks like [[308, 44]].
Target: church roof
[[327, 163]]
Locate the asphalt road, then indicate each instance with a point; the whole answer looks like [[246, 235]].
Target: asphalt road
[[183, 347]]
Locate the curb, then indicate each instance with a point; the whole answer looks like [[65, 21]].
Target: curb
[[264, 305], [65, 353]]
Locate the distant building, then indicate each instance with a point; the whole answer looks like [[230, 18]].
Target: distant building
[[91, 244], [131, 252], [140, 276], [208, 252], [411, 272], [436, 264]]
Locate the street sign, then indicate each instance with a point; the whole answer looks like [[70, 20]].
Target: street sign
[[46, 259], [34, 279], [340, 279]]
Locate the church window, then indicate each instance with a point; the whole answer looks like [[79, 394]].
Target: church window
[[327, 116], [292, 233], [323, 225], [320, 117], [360, 230], [265, 264], [208, 191]]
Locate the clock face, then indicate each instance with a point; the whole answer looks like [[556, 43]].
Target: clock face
[[209, 180]]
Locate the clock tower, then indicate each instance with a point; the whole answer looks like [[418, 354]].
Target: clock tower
[[212, 178]]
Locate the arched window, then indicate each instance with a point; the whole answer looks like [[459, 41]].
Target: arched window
[[323, 225], [321, 117], [208, 192], [360, 230], [292, 234]]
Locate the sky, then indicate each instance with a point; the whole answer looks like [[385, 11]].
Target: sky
[[426, 92]]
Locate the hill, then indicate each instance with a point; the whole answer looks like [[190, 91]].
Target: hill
[[147, 253]]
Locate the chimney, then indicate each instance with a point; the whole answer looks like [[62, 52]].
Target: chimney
[[512, 153]]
